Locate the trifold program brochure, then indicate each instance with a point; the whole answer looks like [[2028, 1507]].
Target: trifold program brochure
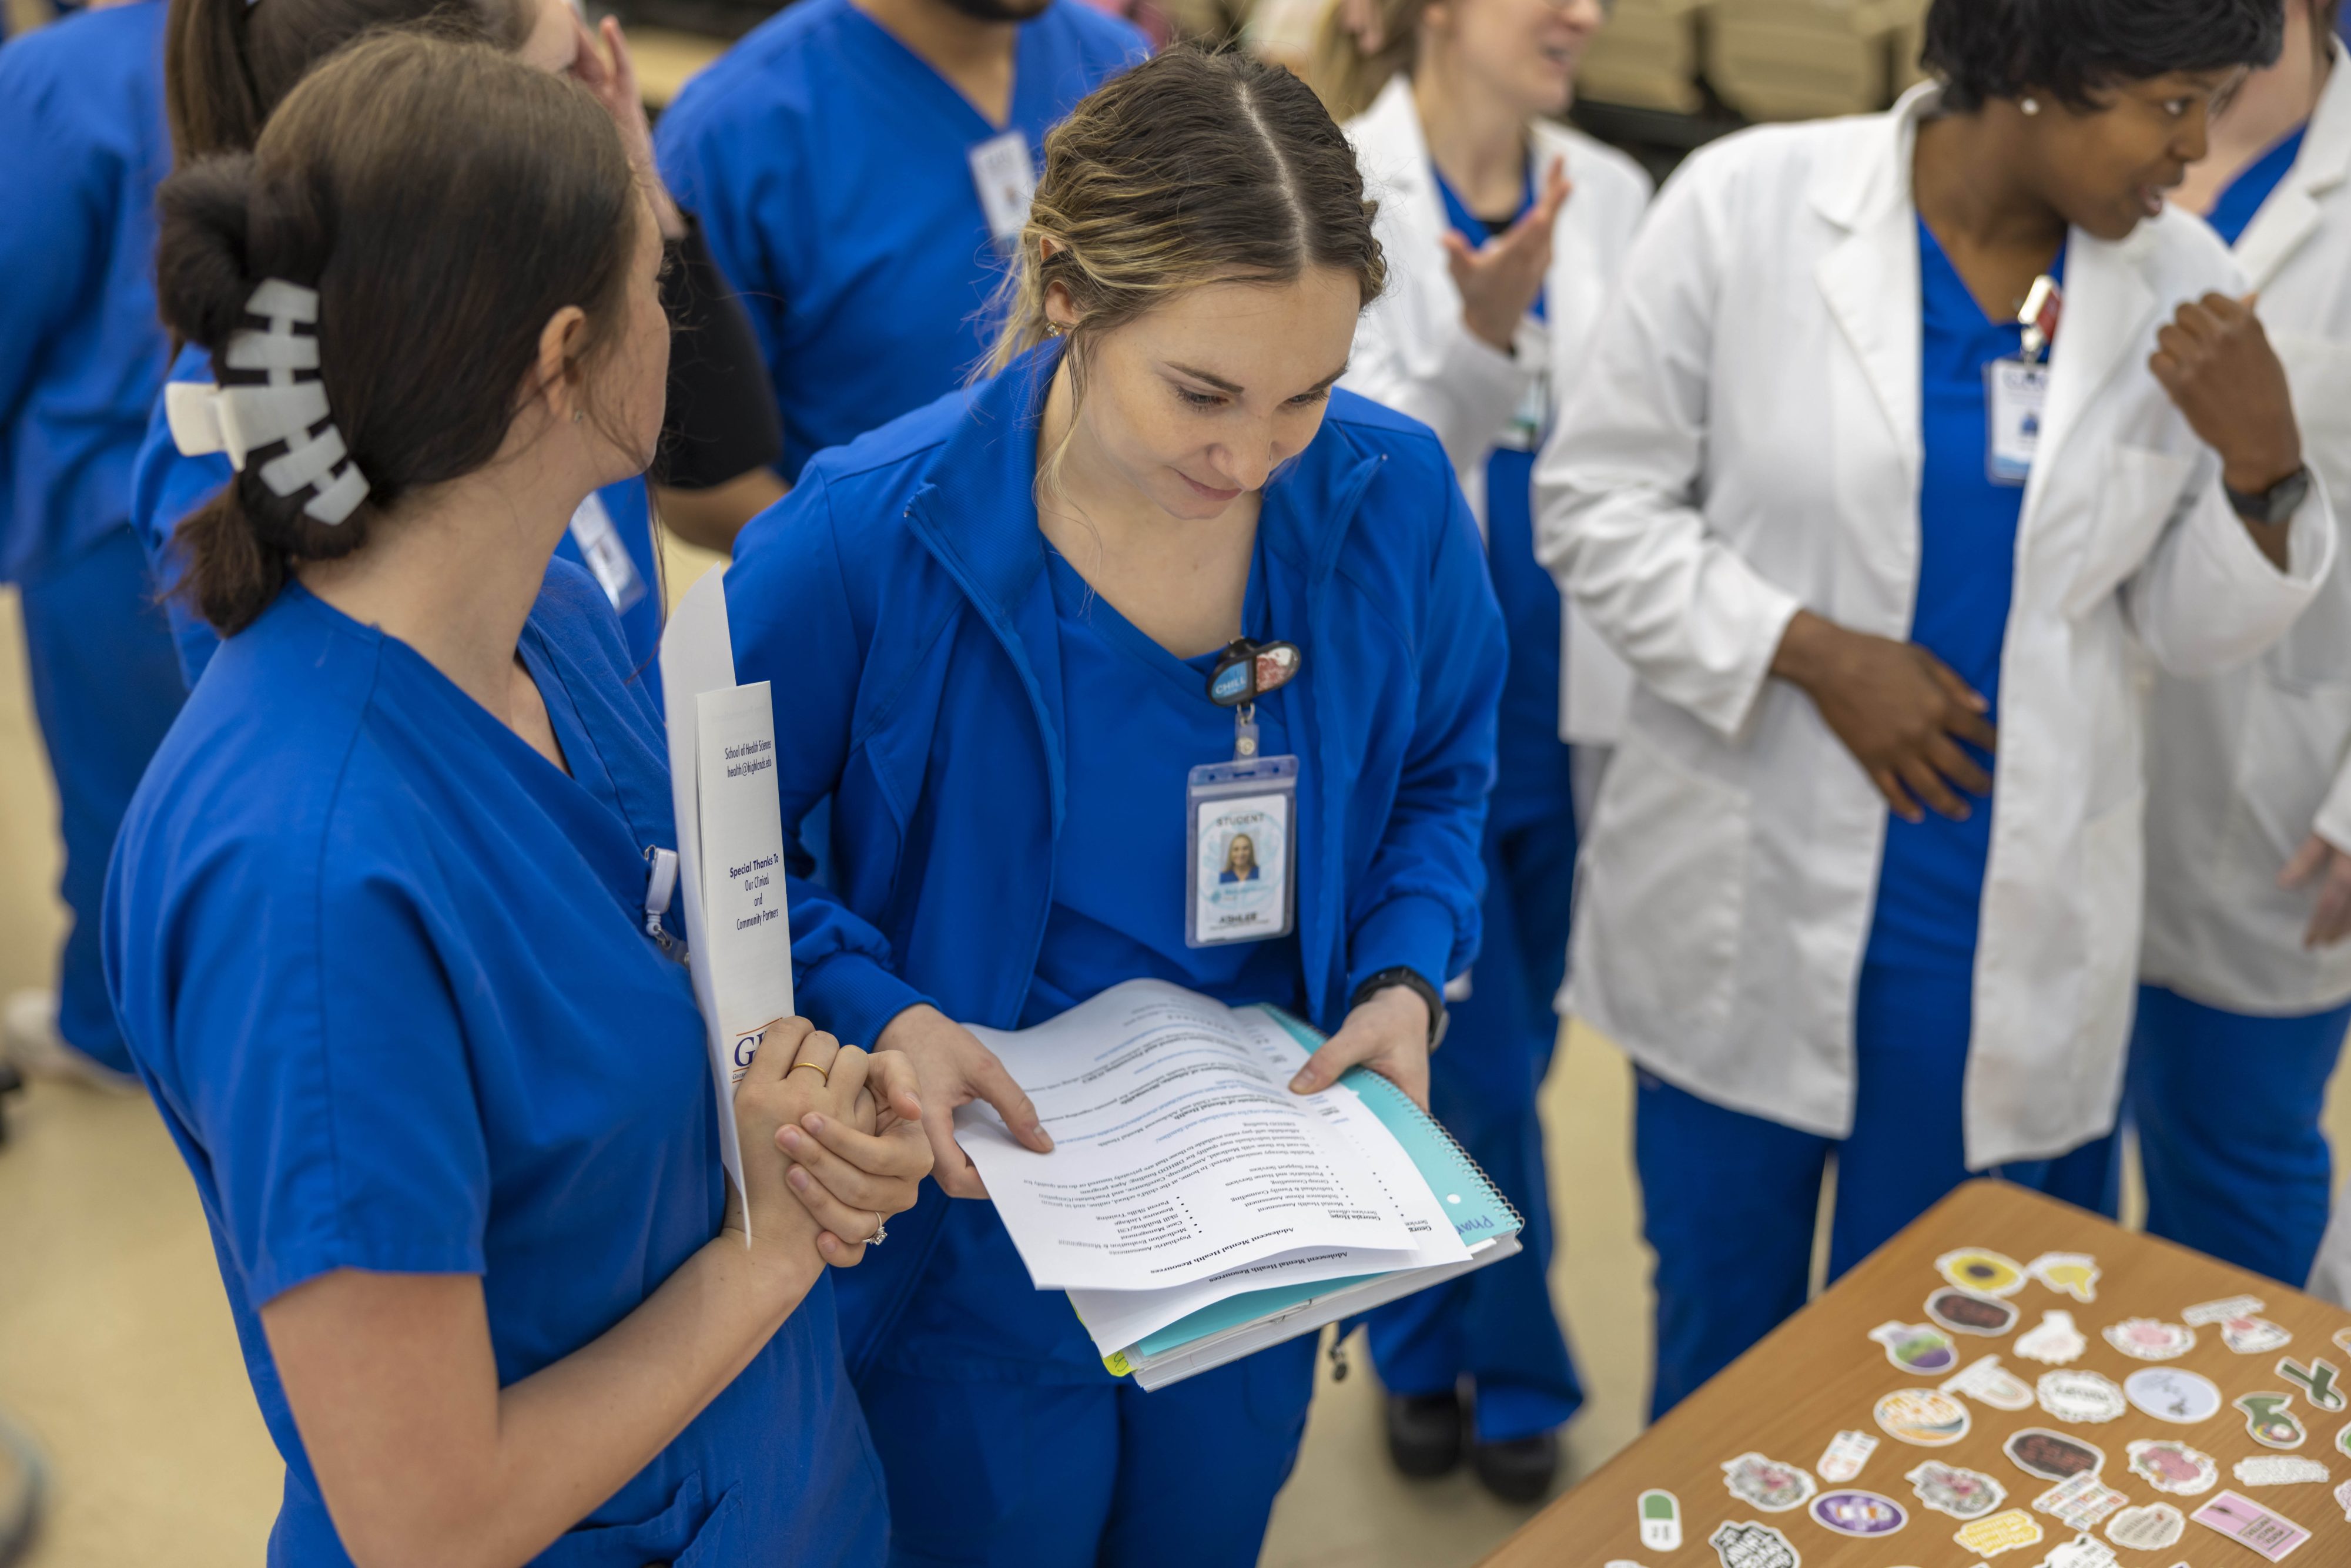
[[1193, 1207]]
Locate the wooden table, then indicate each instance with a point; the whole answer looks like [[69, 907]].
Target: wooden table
[[1820, 1373]]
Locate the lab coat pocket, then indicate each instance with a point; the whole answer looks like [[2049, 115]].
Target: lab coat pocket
[[2113, 880], [2137, 495], [1665, 887], [2315, 655]]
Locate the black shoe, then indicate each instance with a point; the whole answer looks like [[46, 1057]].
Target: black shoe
[[1424, 1433], [1520, 1470]]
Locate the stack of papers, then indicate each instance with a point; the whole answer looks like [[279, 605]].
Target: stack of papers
[[1193, 1207]]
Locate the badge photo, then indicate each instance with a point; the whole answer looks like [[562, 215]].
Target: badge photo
[[2083, 1396], [2148, 1528], [1753, 1546], [1961, 1493], [1926, 1417], [2173, 1394], [2171, 1466], [1983, 1270], [2074, 1274], [2054, 1341], [1964, 1311], [1766, 1483], [1863, 1514], [2151, 1339], [1916, 1347], [2052, 1456]]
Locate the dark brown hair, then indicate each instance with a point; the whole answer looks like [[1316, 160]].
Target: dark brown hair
[[445, 201], [227, 63]]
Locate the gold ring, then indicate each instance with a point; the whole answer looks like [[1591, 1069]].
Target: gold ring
[[824, 1074]]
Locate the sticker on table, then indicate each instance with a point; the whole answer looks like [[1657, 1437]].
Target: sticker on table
[[2173, 1394], [2280, 1471], [1753, 1546], [2270, 1420], [2079, 1394], [2205, 1313], [1660, 1514], [2316, 1382], [2249, 1524], [1768, 1484], [2151, 1527], [1842, 1460], [2078, 1503], [2082, 1552], [1983, 1270], [2055, 1341], [1859, 1514], [2052, 1456], [2343, 1439], [1925, 1417], [2254, 1337], [2342, 1501], [2151, 1339], [2342, 1341], [1917, 1347], [1964, 1311], [1986, 1382], [1961, 1493], [1999, 1532], [2074, 1274], [2171, 1466]]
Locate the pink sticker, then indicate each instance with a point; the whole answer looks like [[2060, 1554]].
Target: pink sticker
[[2249, 1524]]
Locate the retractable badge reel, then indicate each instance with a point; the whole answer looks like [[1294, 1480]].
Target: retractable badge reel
[[1241, 816], [2017, 391]]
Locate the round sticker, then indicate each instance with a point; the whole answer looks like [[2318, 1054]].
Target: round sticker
[[2151, 1339], [2052, 1456], [1964, 1311], [1986, 1272], [1862, 1513], [2075, 1395], [2173, 1394], [1924, 1416]]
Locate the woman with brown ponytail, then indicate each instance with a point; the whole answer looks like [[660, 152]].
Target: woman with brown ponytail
[[379, 926]]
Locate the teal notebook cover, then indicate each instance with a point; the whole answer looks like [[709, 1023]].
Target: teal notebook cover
[[1479, 1213]]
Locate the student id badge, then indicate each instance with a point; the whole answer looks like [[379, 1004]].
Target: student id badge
[[1005, 175], [2016, 391], [1241, 817], [608, 559]]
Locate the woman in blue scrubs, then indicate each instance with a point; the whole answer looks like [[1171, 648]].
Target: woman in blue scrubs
[[81, 146], [996, 618], [379, 926], [230, 62]]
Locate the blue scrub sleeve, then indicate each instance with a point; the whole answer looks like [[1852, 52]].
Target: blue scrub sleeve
[[789, 609], [50, 248], [1417, 904], [316, 1036]]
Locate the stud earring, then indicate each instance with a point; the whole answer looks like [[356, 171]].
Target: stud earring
[[2031, 106]]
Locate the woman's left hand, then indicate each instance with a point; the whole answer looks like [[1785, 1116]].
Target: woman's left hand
[[2330, 916], [1388, 1034], [2217, 363], [864, 1160], [611, 76]]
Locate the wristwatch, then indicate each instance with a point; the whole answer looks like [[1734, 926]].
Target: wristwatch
[[2275, 505], [1411, 980]]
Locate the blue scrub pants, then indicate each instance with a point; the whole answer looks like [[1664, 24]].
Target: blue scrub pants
[[105, 685], [1498, 1326], [1096, 1475], [2228, 1113], [1730, 1199]]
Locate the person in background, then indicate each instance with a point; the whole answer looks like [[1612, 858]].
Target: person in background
[[1504, 232], [862, 168], [2246, 973], [82, 144], [998, 617], [1866, 874], [229, 63], [379, 926]]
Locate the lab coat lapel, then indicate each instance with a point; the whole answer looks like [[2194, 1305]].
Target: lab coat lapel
[[1870, 280], [2107, 302], [1394, 155], [2290, 216]]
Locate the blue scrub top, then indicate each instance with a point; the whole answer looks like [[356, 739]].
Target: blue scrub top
[[2242, 201], [903, 594], [1931, 882], [83, 147], [166, 485], [382, 966], [830, 168], [1534, 779]]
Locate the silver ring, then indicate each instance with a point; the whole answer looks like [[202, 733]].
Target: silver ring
[[881, 1231]]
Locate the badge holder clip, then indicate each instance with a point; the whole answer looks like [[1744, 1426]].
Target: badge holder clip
[[1240, 817], [2016, 391]]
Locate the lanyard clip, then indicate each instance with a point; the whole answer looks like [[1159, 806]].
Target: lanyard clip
[[661, 885], [1244, 732], [2044, 307]]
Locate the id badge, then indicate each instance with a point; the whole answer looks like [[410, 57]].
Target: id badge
[[607, 558], [1005, 175], [1242, 847], [1531, 417], [2015, 394]]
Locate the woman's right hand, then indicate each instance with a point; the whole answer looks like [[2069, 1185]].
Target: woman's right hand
[[955, 1070], [1897, 708]]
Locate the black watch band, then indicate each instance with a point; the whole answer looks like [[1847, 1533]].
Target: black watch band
[[2276, 505], [1412, 981]]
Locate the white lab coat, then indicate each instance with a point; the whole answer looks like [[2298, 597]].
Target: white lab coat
[[1747, 441], [1413, 352], [2244, 766]]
